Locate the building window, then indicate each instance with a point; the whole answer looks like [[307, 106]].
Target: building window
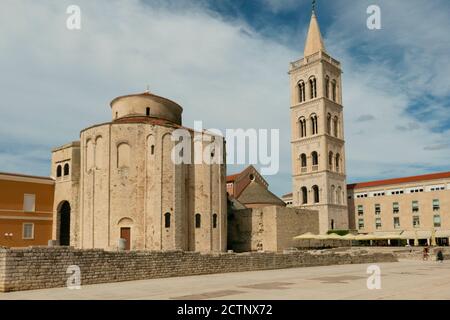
[[28, 231], [304, 195], [66, 169], [333, 88], [329, 124], [303, 160], [198, 221], [301, 91], [336, 126], [167, 220], [29, 202], [415, 206], [327, 86], [378, 223], [214, 220], [396, 222], [147, 111], [416, 222], [58, 171], [316, 194], [361, 223], [330, 160], [377, 209], [152, 150], [314, 126], [360, 210], [437, 221], [395, 208], [315, 158], [313, 87], [302, 127], [436, 205], [338, 160]]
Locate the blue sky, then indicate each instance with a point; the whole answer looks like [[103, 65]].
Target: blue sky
[[226, 63]]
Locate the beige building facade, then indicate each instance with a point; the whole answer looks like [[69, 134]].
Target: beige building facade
[[120, 182], [418, 208], [317, 136]]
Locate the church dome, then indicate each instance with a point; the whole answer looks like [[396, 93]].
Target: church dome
[[146, 104]]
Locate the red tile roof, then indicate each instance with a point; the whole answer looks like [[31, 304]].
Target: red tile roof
[[432, 176], [233, 177]]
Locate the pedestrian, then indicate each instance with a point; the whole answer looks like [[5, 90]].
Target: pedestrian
[[440, 256], [425, 253]]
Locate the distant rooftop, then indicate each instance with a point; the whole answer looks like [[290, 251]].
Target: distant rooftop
[[386, 182]]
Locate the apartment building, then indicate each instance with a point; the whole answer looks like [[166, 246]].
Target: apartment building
[[417, 207], [26, 206]]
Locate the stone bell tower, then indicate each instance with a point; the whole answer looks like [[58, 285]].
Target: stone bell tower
[[317, 136]]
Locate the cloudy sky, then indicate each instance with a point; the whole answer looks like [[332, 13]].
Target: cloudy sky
[[226, 63]]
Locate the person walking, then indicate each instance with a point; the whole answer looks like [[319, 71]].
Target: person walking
[[440, 256], [425, 254]]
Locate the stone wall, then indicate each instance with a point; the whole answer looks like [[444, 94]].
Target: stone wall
[[38, 268], [270, 228]]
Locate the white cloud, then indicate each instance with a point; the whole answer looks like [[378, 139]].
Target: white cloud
[[403, 62], [57, 81]]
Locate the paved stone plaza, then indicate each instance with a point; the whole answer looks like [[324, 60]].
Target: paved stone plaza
[[407, 279]]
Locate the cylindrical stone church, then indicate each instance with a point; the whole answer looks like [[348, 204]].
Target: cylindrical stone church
[[120, 181]]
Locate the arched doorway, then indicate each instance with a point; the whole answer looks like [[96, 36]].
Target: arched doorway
[[64, 224]]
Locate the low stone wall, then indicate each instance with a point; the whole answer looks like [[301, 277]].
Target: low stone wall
[[38, 268]]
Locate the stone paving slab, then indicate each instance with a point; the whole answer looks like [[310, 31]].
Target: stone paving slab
[[407, 279]]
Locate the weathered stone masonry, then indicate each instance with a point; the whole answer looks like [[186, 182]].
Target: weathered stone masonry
[[39, 268]]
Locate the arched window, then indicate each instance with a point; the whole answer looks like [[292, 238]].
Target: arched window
[[315, 158], [314, 126], [303, 160], [338, 161], [98, 150], [332, 193], [329, 124], [66, 169], [313, 87], [167, 220], [123, 155], [301, 91], [327, 86], [334, 93], [338, 195], [330, 160], [304, 195], [332, 224], [58, 171], [336, 126], [198, 221], [214, 220], [315, 190], [302, 127], [90, 154]]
